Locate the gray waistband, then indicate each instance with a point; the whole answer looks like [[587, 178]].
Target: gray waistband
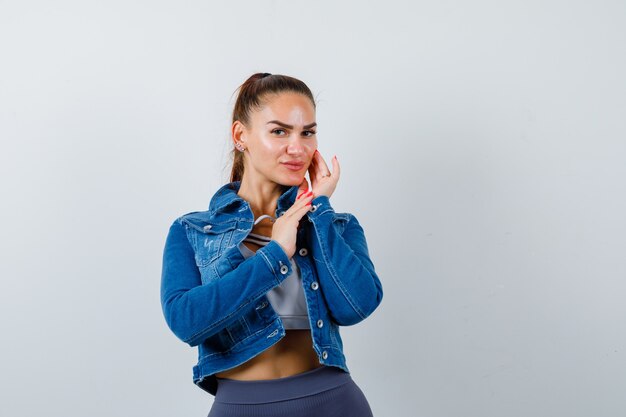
[[311, 382]]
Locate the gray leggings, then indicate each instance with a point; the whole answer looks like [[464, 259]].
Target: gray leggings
[[326, 391]]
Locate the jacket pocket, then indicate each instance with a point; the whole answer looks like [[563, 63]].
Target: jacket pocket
[[226, 340], [210, 238]]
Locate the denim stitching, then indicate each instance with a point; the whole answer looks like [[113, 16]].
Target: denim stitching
[[267, 260], [241, 341]]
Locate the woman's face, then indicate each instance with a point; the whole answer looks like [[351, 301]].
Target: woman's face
[[283, 131]]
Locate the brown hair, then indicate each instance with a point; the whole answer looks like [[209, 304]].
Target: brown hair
[[252, 95]]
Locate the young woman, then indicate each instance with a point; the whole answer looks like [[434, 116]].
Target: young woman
[[262, 280]]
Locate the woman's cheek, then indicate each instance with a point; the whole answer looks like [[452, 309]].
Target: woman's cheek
[[267, 143], [311, 147]]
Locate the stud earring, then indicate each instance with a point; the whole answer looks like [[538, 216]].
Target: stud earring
[[240, 147]]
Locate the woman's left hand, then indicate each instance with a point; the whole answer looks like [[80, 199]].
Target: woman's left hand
[[323, 182]]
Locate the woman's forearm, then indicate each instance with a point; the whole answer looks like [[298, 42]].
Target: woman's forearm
[[194, 311], [348, 278]]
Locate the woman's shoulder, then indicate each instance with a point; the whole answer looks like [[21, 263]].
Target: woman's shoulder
[[194, 219], [206, 222]]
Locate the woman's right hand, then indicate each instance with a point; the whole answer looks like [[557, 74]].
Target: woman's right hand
[[285, 228]]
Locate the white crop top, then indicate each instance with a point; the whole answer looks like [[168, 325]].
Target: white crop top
[[287, 299]]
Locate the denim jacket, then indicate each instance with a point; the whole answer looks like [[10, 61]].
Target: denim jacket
[[214, 298]]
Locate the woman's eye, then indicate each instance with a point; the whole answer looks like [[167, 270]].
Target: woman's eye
[[310, 132], [277, 130]]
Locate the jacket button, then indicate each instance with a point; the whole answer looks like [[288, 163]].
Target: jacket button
[[284, 269], [320, 323], [303, 252], [313, 208], [324, 355], [207, 227], [314, 285], [281, 213]]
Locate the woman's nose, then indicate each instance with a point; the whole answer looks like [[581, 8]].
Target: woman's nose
[[295, 146]]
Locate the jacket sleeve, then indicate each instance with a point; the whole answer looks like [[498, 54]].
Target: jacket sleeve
[[194, 311], [346, 273]]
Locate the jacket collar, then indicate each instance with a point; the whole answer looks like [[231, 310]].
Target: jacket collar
[[226, 195]]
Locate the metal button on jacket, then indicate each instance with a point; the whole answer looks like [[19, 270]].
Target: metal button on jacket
[[320, 323], [314, 285], [303, 252], [324, 355], [283, 269]]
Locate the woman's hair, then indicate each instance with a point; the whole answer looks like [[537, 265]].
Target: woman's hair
[[252, 95]]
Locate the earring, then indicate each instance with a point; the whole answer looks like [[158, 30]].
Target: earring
[[240, 147]]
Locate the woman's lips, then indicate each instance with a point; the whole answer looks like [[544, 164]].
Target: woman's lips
[[294, 167]]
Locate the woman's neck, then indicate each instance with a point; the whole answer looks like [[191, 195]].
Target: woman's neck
[[261, 195]]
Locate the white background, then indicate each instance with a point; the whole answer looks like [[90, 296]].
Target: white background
[[482, 146]]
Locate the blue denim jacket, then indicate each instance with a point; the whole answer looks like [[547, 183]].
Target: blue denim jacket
[[214, 298]]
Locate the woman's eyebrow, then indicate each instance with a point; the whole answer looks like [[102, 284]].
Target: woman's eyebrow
[[285, 125]]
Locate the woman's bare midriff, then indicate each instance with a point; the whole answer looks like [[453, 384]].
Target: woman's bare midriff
[[292, 355]]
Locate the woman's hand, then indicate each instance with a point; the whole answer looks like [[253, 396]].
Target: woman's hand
[[323, 182], [285, 228]]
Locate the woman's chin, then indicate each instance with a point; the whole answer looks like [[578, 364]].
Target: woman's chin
[[291, 180]]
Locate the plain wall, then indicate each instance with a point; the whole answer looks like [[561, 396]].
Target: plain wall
[[482, 147]]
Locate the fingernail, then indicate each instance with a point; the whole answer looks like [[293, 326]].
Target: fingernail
[[301, 195], [308, 204]]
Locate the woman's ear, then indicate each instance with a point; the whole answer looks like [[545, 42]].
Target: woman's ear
[[238, 133]]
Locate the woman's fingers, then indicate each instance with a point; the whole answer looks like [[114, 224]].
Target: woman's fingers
[[314, 167], [304, 187], [323, 181], [336, 168], [302, 199], [320, 165], [301, 205]]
